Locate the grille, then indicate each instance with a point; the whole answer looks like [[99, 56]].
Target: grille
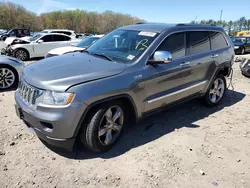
[[28, 93]]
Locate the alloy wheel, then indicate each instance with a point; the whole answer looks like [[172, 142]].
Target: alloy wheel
[[111, 125], [21, 54], [7, 78], [217, 90]]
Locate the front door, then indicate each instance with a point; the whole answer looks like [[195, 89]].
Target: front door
[[167, 82]]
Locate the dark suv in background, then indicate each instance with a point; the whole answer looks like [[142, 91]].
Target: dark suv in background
[[126, 75], [15, 33]]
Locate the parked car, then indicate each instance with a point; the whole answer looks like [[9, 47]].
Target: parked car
[[37, 46], [126, 75], [70, 33], [15, 33], [241, 44], [83, 44], [245, 67], [10, 71]]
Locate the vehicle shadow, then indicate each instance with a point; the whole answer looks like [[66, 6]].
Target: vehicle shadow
[[156, 126]]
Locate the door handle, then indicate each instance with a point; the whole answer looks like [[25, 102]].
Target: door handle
[[185, 63], [214, 55]]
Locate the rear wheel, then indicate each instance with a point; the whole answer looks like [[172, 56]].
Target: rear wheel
[[216, 91], [103, 127], [8, 78], [21, 54]]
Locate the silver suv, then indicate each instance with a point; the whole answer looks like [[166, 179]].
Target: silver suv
[[129, 73]]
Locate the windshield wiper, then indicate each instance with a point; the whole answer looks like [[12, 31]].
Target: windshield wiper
[[102, 55]]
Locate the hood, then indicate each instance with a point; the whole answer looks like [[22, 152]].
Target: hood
[[64, 50], [15, 40], [60, 72]]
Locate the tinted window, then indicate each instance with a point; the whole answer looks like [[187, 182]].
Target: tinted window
[[197, 42], [59, 38], [248, 40], [217, 40], [175, 44], [47, 38]]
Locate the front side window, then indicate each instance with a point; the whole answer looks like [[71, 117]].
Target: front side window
[[197, 42], [175, 44], [47, 38], [217, 40], [123, 45]]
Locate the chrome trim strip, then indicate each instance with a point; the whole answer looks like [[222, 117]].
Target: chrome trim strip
[[177, 92]]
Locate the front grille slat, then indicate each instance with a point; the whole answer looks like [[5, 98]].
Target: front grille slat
[[28, 93]]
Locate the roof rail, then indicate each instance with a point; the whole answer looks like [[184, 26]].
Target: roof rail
[[139, 23], [182, 24]]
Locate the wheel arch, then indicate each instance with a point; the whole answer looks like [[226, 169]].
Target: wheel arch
[[21, 48], [124, 98]]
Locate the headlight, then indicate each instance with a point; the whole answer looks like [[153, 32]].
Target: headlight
[[236, 47], [55, 98]]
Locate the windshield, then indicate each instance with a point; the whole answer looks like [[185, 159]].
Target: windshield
[[123, 45], [238, 40], [35, 37], [87, 42]]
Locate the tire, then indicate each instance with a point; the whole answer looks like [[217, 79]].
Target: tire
[[242, 52], [22, 54], [4, 38], [94, 135], [214, 95], [8, 78]]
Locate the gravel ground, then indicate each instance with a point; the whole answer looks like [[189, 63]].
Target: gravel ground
[[188, 146]]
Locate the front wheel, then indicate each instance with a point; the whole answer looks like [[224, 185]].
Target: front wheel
[[242, 52], [8, 78], [104, 127], [21, 54], [216, 91]]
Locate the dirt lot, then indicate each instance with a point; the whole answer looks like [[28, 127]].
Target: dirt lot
[[188, 146]]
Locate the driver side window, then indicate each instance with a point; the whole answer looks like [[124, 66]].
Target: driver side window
[[47, 38], [175, 44]]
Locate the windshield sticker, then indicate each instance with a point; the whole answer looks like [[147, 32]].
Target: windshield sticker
[[130, 57], [147, 34]]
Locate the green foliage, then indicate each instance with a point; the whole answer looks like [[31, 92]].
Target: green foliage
[[16, 16]]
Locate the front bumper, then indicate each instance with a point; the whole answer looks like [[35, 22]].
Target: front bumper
[[7, 51], [56, 126]]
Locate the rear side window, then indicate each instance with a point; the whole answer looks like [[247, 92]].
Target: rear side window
[[197, 42], [217, 40], [26, 32], [175, 44]]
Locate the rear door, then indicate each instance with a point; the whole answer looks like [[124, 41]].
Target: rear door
[[59, 41], [202, 62]]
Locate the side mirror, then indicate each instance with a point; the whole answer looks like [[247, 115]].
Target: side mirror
[[160, 57], [40, 41]]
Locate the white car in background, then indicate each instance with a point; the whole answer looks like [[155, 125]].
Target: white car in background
[[70, 33], [38, 46], [84, 43]]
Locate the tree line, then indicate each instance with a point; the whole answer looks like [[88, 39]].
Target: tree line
[[16, 16], [231, 26]]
